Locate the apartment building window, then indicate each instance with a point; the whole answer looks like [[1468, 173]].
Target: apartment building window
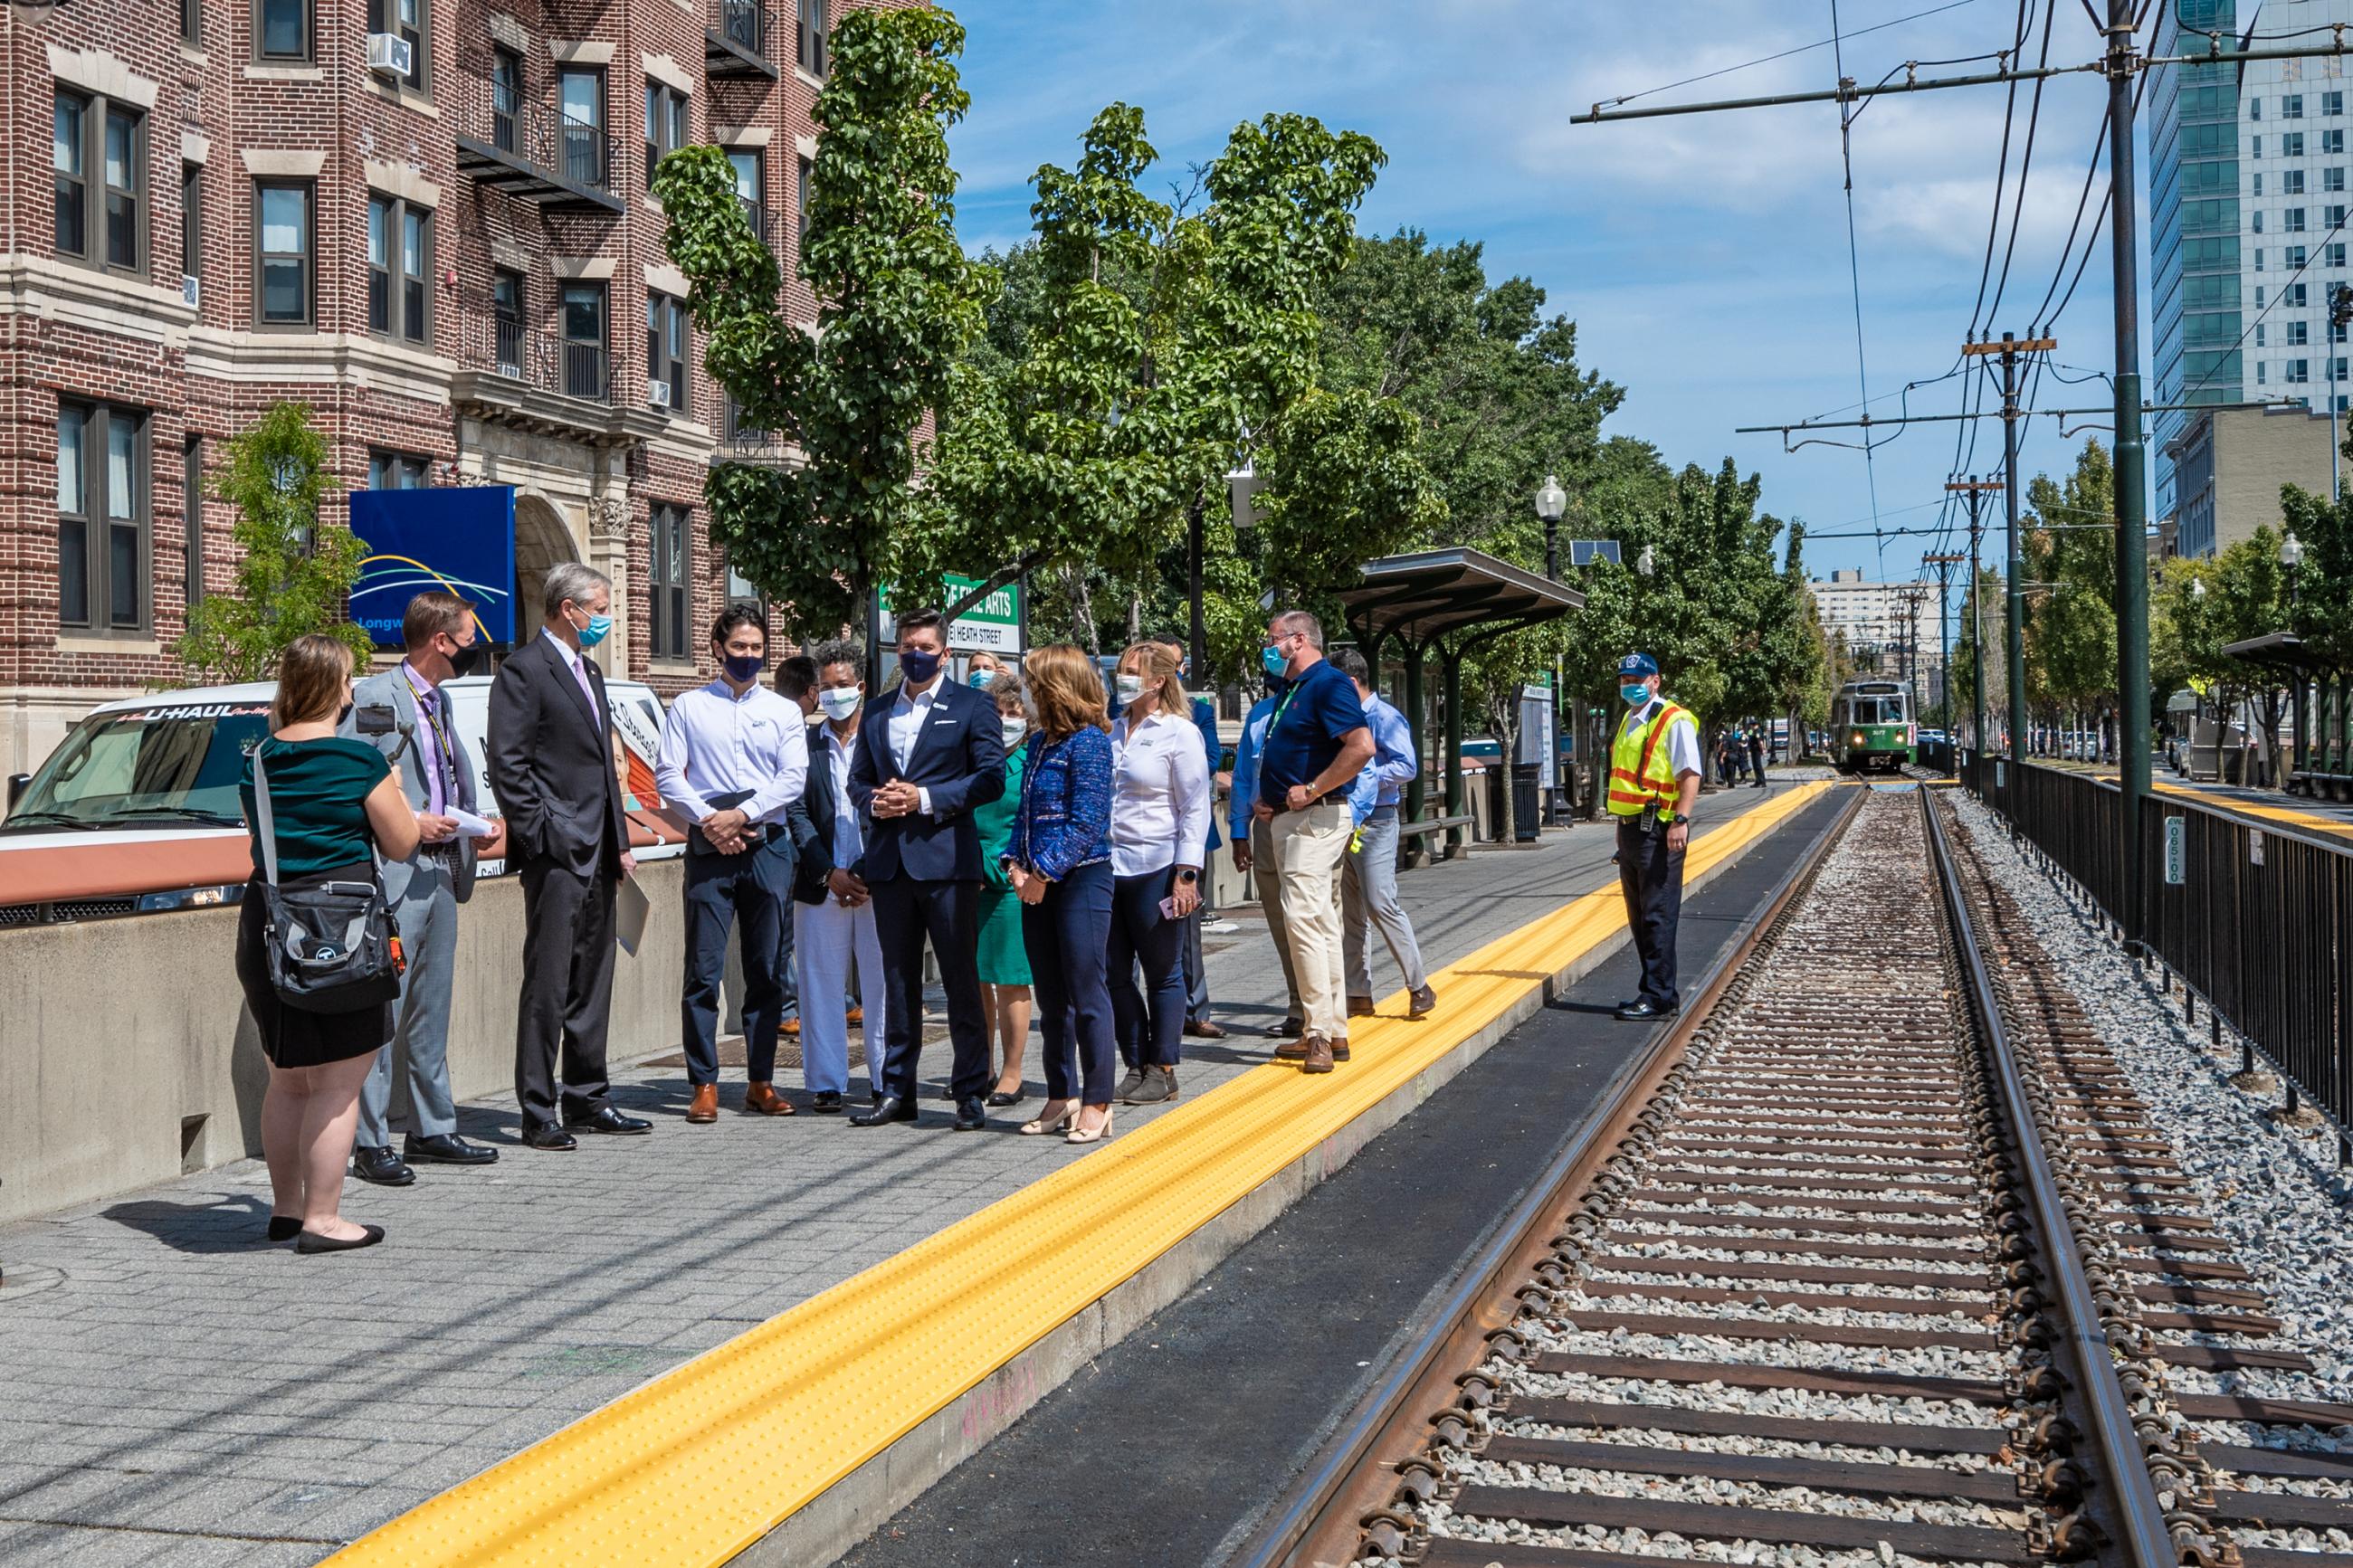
[[2332, 143], [2259, 185], [506, 97], [2298, 372], [192, 22], [100, 221], [102, 516], [282, 30], [409, 20], [2337, 369], [2259, 296], [2258, 218], [800, 204], [666, 124], [2255, 147], [814, 29], [2334, 215], [2292, 106], [2336, 254], [2259, 259], [670, 604], [2298, 335], [507, 318], [2332, 179], [2295, 257], [2261, 377], [398, 471], [400, 263], [580, 102], [192, 514], [2292, 182], [2255, 109], [192, 220], [751, 187], [584, 340], [666, 353], [283, 253], [2292, 144], [2261, 338], [2332, 104], [2293, 297]]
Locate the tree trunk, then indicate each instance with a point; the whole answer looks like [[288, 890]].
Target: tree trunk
[[1507, 742], [1082, 610]]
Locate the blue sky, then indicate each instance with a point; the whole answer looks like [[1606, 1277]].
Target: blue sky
[[1703, 259]]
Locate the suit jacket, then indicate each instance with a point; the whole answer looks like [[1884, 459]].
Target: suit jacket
[[550, 762], [390, 691], [959, 757], [811, 820]]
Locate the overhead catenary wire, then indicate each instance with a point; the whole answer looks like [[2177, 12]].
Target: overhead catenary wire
[[1853, 252], [1788, 53]]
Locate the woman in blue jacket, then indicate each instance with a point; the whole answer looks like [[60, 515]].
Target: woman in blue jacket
[[1058, 862]]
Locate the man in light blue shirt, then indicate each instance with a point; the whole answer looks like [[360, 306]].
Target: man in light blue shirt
[[733, 759], [1368, 892], [1254, 843]]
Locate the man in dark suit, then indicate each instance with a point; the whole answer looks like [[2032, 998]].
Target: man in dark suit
[[551, 764], [928, 753]]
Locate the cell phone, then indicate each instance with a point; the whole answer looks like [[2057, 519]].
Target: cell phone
[[376, 718], [1168, 907]]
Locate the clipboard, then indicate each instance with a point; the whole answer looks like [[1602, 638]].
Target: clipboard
[[630, 907]]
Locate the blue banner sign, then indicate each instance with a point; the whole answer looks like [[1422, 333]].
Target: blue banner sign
[[459, 540]]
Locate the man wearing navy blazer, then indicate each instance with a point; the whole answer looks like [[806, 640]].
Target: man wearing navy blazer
[[928, 753]]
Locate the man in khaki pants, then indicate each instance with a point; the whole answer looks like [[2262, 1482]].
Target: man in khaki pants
[[1315, 746]]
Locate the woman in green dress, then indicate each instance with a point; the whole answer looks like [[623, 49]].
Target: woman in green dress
[[1003, 962]]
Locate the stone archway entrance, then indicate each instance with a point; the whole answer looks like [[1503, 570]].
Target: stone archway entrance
[[542, 541]]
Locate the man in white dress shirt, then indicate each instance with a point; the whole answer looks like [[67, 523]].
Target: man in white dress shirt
[[733, 759]]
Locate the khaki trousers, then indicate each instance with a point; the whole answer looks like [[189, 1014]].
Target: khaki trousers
[[1309, 846]]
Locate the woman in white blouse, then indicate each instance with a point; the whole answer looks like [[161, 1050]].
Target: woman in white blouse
[[1159, 824]]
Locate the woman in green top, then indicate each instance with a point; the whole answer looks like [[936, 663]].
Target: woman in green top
[[334, 805], [1003, 962]]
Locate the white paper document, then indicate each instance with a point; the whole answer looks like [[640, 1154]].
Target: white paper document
[[630, 907], [469, 825]]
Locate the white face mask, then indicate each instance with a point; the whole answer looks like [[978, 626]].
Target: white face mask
[[1015, 728], [1129, 687], [838, 701]]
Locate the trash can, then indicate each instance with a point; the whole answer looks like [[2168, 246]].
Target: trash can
[[1528, 801]]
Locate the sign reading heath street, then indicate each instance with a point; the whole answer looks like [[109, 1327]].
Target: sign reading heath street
[[992, 624]]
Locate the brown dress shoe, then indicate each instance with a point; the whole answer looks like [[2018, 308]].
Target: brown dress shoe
[[1292, 1050], [1319, 1054], [1360, 1007], [857, 1015], [1205, 1029], [706, 1103], [1340, 1049], [793, 1028], [763, 1099]]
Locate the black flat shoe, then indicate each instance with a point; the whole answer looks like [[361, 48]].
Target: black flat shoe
[[1644, 1011], [381, 1165], [971, 1115], [446, 1149], [1001, 1099], [889, 1108], [547, 1135], [311, 1242], [607, 1120], [284, 1228], [827, 1103]]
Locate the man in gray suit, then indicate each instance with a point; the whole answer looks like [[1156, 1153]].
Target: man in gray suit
[[405, 714]]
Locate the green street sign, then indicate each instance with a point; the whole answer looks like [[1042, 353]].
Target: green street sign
[[994, 624]]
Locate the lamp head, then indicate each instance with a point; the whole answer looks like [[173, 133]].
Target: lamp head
[[1551, 500]]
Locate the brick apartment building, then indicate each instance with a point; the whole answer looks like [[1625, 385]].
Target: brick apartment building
[[214, 204]]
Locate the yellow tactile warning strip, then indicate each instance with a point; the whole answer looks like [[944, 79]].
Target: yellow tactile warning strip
[[660, 1476], [2311, 821]]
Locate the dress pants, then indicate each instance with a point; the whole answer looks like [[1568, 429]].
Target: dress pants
[[1197, 973], [1151, 1023], [750, 890], [906, 913], [568, 990], [827, 938], [1651, 878], [1066, 934], [1368, 897], [1308, 846], [427, 913], [1266, 876]]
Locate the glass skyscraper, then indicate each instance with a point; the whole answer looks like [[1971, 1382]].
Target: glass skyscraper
[[2247, 218]]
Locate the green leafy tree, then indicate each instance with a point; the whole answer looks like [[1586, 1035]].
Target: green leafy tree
[[2071, 633], [2202, 606], [1961, 680], [899, 303], [294, 571]]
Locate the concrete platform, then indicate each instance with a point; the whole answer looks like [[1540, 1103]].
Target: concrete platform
[[181, 1392]]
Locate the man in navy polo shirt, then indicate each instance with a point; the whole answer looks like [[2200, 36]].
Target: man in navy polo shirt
[[1317, 744]]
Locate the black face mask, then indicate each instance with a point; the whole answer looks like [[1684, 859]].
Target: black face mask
[[468, 660], [343, 715]]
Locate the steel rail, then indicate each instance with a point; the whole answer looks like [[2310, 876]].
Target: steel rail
[[2147, 1541], [1352, 1474]]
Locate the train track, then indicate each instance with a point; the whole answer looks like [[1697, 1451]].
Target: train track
[[1873, 1258]]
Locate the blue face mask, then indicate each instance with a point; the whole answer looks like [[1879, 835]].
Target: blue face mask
[[920, 664], [1635, 696], [743, 666], [594, 632], [1272, 659], [981, 678]]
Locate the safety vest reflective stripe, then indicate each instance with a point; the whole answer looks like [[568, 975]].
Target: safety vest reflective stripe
[[1643, 769]]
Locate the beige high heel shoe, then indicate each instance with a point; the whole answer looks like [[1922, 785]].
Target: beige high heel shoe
[[1049, 1121], [1081, 1135]]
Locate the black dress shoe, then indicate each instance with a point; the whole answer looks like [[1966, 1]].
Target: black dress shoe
[[1289, 1029], [889, 1108], [607, 1120], [309, 1241], [1000, 1099], [284, 1228], [971, 1114], [1644, 1010], [827, 1103], [446, 1149], [547, 1135], [381, 1165]]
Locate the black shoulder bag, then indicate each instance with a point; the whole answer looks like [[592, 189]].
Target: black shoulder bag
[[333, 945]]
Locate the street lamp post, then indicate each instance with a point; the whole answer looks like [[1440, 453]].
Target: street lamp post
[[1551, 501], [2291, 556]]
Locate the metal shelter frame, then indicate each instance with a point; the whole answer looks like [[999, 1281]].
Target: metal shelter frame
[[2320, 707], [1419, 598]]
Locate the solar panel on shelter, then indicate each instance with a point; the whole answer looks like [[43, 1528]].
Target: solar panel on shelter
[[1586, 551]]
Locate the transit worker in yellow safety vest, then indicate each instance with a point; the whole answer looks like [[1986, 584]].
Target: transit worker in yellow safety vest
[[1654, 774]]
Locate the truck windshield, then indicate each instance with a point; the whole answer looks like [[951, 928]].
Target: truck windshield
[[144, 766]]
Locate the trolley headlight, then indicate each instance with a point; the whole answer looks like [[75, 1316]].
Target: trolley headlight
[[1858, 737]]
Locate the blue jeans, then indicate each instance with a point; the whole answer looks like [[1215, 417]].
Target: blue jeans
[[1151, 1024], [1067, 935]]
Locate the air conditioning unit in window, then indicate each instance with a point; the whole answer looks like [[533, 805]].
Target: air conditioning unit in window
[[391, 54], [657, 393], [191, 290]]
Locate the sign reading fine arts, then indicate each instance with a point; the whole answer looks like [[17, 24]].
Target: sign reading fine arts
[[993, 624]]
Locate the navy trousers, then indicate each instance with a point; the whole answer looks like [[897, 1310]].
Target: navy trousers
[[1151, 1023], [1067, 935], [752, 890], [906, 911], [1652, 879]]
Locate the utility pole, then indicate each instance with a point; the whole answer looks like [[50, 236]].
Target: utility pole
[[1944, 564], [2124, 66], [1970, 491], [2009, 349]]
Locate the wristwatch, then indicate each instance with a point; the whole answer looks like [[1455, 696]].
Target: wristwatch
[[1188, 877]]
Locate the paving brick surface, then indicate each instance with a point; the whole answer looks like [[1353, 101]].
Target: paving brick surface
[[180, 1392]]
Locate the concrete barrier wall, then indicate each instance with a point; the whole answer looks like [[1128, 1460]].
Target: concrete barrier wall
[[127, 1057]]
